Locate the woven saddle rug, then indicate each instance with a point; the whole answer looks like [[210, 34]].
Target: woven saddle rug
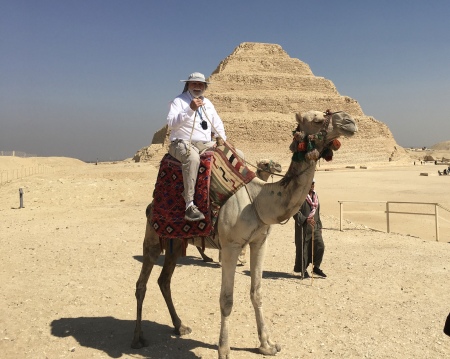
[[221, 174], [229, 174]]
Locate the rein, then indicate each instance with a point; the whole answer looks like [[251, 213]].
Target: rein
[[193, 125]]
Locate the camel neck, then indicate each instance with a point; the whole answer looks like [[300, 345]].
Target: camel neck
[[278, 202]]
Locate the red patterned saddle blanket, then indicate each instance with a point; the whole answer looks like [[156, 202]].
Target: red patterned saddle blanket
[[221, 174], [168, 202]]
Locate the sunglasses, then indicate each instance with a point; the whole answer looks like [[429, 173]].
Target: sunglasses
[[204, 124]]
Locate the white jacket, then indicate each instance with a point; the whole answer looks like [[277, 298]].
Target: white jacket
[[181, 119]]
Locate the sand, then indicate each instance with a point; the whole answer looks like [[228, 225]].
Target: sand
[[70, 259]]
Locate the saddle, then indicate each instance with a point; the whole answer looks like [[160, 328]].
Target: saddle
[[221, 174]]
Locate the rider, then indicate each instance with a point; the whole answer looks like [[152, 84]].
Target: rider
[[193, 122]]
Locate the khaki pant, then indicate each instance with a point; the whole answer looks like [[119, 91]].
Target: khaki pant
[[189, 156]]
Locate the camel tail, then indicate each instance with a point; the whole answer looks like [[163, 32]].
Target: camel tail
[[148, 210]]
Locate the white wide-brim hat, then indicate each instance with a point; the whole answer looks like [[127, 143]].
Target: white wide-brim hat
[[196, 77]]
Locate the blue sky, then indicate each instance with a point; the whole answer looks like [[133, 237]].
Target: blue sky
[[93, 78]]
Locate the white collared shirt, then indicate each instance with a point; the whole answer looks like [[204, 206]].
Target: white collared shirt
[[181, 119]]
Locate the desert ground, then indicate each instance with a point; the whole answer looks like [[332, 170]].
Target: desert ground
[[71, 256]]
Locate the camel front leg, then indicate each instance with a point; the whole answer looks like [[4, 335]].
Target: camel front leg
[[229, 261], [257, 253], [151, 252], [164, 280]]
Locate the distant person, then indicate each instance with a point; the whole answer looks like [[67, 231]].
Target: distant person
[[308, 220], [191, 119]]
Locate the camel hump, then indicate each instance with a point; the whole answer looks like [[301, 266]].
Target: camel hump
[[221, 174]]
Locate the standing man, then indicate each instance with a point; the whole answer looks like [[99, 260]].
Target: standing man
[[307, 220], [193, 121]]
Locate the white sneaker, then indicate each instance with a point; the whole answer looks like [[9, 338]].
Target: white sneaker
[[193, 214]]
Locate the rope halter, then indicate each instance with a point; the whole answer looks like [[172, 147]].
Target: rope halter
[[303, 146]]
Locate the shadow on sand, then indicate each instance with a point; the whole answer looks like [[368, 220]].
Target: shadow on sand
[[113, 337], [188, 260]]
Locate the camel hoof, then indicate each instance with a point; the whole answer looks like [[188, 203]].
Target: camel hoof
[[272, 350], [183, 330], [224, 356], [207, 259]]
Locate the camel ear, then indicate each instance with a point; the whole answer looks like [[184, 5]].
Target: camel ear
[[299, 117]]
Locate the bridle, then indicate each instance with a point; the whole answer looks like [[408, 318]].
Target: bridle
[[310, 140], [305, 148]]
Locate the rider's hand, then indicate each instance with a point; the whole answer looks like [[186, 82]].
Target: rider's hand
[[196, 103]]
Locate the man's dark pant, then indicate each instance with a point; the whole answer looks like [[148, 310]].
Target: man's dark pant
[[305, 252]]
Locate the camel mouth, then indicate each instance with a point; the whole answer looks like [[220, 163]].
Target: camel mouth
[[345, 131], [348, 133], [277, 168], [348, 129], [345, 124]]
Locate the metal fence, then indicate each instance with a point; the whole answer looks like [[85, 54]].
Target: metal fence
[[7, 176], [16, 154], [389, 211]]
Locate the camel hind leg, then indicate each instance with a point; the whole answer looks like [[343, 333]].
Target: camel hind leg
[[151, 252], [205, 258], [164, 280]]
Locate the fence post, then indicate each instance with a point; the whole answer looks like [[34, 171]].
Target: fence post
[[436, 215], [387, 217], [341, 215], [21, 197]]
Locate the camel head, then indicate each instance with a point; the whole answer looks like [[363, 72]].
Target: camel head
[[269, 166], [266, 167], [317, 133]]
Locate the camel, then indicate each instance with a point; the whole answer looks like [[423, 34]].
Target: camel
[[265, 168], [246, 218]]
